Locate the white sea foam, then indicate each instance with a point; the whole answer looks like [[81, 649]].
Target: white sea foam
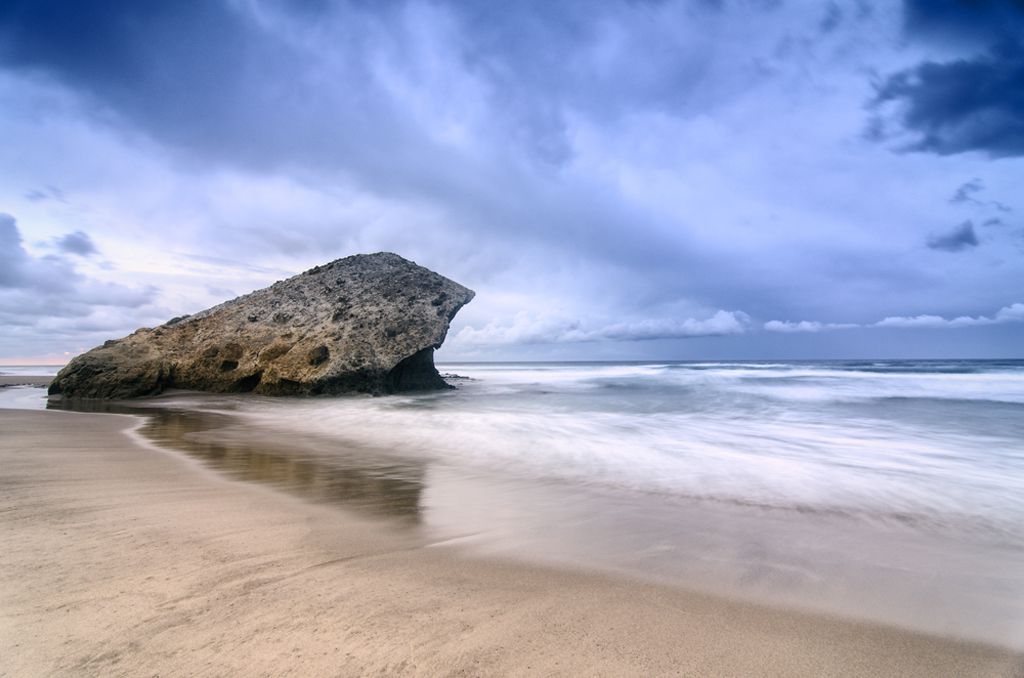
[[800, 437], [885, 490], [794, 381]]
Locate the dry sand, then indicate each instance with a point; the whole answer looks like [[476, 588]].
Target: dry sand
[[120, 559]]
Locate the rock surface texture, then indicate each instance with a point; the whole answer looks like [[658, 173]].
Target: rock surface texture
[[366, 323]]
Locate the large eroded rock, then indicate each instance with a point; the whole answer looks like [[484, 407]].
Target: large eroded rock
[[366, 323]]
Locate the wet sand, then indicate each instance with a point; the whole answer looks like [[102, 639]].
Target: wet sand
[[119, 558]]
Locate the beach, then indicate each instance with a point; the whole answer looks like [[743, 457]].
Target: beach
[[124, 558], [436, 338]]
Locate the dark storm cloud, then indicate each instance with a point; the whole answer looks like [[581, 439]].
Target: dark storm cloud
[[966, 191], [216, 80], [50, 285], [622, 164], [973, 103], [19, 271], [212, 78], [251, 84], [968, 21], [237, 265], [183, 70], [47, 306], [320, 90], [964, 105], [78, 243], [959, 239], [45, 193], [833, 17]]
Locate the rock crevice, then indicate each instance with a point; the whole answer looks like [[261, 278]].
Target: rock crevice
[[366, 323]]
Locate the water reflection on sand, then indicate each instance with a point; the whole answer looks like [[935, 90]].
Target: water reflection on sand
[[846, 563], [318, 470]]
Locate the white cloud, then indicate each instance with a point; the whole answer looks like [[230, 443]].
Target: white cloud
[[528, 329], [533, 159], [1007, 314], [805, 326], [1012, 313], [47, 304], [916, 321]]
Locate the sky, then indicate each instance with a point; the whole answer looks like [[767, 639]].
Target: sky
[[634, 179]]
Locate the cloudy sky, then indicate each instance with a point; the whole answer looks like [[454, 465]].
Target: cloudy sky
[[622, 179]]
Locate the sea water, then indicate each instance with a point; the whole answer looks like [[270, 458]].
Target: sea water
[[938, 444], [886, 490]]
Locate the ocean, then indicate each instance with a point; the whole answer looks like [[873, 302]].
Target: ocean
[[887, 490]]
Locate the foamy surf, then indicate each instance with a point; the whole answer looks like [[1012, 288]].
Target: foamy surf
[[888, 490], [931, 446]]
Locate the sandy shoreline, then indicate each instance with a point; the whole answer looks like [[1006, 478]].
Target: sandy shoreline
[[119, 558]]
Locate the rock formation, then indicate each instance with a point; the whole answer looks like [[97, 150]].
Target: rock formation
[[367, 323]]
